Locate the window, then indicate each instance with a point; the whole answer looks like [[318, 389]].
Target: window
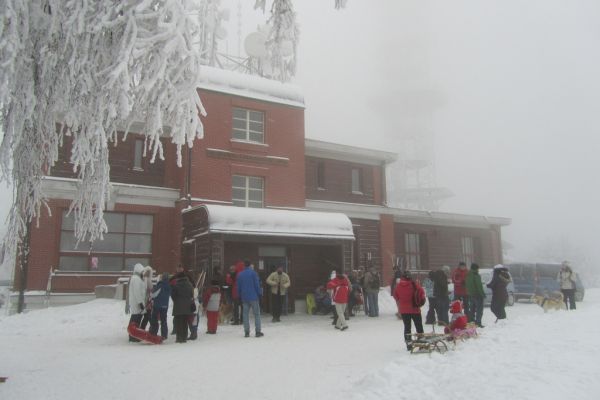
[[128, 241], [248, 125], [412, 244], [321, 175], [468, 250], [247, 191], [138, 154], [356, 180]]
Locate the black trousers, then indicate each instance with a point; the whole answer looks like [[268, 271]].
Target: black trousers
[[417, 319], [276, 302], [441, 308], [237, 311], [430, 317], [180, 323], [569, 295]]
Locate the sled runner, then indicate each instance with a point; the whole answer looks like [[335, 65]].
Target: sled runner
[[142, 335], [428, 343]]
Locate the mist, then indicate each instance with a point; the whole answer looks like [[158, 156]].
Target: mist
[[509, 89]]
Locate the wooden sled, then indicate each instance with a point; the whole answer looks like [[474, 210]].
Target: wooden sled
[[428, 343]]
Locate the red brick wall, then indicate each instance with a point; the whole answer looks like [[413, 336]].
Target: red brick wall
[[45, 246], [387, 241], [284, 137], [338, 181], [444, 244]]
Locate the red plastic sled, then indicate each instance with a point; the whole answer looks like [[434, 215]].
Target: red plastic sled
[[142, 335]]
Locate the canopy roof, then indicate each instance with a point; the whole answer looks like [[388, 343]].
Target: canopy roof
[[276, 222]]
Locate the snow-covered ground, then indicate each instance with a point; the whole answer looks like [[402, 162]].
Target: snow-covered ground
[[82, 352]]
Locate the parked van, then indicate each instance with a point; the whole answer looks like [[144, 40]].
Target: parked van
[[539, 278]]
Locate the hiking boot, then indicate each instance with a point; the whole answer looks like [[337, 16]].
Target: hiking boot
[[344, 328], [193, 336], [247, 334], [259, 334]]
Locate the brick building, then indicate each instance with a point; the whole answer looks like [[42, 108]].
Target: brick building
[[254, 188]]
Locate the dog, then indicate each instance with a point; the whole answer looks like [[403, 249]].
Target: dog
[[551, 301], [225, 313]]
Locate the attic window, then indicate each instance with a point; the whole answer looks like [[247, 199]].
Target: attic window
[[248, 125]]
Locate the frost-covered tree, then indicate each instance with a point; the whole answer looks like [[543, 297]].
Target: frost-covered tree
[[89, 69], [211, 29]]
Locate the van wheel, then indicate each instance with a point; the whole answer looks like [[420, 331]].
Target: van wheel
[[511, 299]]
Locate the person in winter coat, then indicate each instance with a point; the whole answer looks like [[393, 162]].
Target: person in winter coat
[[231, 280], [372, 283], [440, 293], [500, 279], [322, 300], [458, 321], [211, 301], [476, 295], [340, 286], [160, 295], [182, 294], [147, 276], [250, 291], [567, 278], [279, 282], [428, 287], [459, 276], [137, 297], [404, 293]]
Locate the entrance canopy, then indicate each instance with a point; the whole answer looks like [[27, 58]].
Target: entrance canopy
[[274, 222]]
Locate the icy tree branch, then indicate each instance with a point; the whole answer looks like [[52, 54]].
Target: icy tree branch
[[87, 69]]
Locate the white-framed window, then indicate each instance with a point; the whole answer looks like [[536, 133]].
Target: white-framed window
[[248, 125], [468, 250], [247, 191], [138, 155], [128, 241], [356, 180], [413, 250]]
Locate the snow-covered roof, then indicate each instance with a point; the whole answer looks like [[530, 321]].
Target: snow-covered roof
[[251, 86], [269, 222], [336, 151]]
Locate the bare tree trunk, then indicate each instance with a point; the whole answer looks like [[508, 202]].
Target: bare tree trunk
[[23, 268]]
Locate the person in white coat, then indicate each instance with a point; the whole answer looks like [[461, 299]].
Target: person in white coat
[[137, 297], [566, 279]]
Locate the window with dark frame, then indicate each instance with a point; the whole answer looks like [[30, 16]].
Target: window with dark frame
[[247, 191], [468, 250], [138, 155], [321, 175], [128, 241], [357, 180], [248, 125], [412, 245]]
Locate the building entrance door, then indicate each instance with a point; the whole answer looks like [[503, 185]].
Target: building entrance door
[[269, 259]]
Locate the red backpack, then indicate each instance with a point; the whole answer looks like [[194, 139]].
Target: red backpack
[[418, 298]]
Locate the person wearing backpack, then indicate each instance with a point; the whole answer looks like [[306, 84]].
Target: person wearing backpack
[[410, 297]]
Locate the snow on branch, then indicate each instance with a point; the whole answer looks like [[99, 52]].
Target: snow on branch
[[282, 40], [88, 69]]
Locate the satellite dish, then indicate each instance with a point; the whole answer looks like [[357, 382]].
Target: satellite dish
[[254, 44]]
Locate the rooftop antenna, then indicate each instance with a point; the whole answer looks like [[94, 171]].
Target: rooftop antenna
[[239, 32]]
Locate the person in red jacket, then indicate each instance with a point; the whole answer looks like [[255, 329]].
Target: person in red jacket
[[211, 301], [340, 285], [458, 320], [231, 280], [404, 293], [459, 278]]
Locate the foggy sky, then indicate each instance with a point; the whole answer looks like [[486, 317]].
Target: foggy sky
[[513, 91], [510, 89]]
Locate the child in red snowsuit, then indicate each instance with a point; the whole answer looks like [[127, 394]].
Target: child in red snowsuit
[[211, 301], [458, 320]]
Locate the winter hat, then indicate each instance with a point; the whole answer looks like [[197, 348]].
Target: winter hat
[[474, 267], [405, 274], [333, 274], [456, 307], [138, 269], [498, 266]]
